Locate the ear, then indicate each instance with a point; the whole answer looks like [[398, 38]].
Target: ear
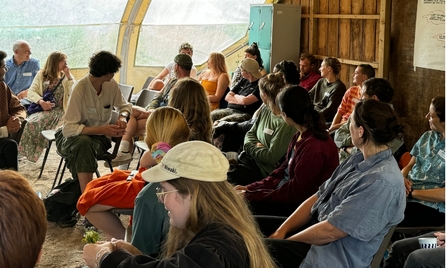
[[374, 97], [361, 131]]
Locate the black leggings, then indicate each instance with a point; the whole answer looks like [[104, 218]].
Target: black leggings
[[418, 215]]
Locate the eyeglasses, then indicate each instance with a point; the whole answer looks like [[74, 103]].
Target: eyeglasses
[[161, 195]]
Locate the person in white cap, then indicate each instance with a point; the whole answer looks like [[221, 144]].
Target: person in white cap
[[244, 98], [210, 224]]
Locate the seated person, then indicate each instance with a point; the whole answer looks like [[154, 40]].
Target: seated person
[[21, 70], [425, 173], [344, 223], [166, 127], [374, 88], [189, 97], [23, 221], [12, 113], [215, 80], [243, 99], [86, 131], [308, 76], [352, 95], [310, 160], [137, 121], [408, 254], [229, 136], [169, 71], [210, 225], [251, 52], [329, 90], [56, 78], [265, 144]]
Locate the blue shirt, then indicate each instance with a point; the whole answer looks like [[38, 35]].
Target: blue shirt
[[20, 77], [369, 198], [429, 170]]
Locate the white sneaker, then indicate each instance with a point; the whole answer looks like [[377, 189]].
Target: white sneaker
[[120, 159]]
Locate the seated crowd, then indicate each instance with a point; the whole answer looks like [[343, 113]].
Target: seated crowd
[[290, 144]]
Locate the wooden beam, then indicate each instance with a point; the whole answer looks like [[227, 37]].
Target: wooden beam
[[384, 38], [341, 16], [375, 65]]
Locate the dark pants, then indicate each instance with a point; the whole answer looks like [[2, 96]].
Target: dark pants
[[417, 215], [287, 253], [406, 253], [81, 151], [9, 154]]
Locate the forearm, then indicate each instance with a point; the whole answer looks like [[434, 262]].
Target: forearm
[[319, 234], [409, 166], [431, 195], [92, 131], [300, 217]]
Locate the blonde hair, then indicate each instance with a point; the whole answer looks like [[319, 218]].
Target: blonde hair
[[189, 96], [51, 71], [217, 202], [219, 63], [168, 125]]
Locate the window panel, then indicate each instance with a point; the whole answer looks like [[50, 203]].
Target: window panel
[[76, 27], [78, 42], [208, 25]]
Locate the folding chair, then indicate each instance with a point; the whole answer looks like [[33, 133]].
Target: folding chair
[[49, 136], [378, 257], [126, 91]]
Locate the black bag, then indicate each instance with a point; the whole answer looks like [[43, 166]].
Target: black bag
[[47, 96], [60, 203]]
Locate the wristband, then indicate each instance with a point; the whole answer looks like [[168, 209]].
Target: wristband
[[99, 255]]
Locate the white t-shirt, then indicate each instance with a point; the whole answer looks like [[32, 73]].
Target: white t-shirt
[[170, 67]]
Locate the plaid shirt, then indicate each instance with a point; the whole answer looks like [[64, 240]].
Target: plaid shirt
[[351, 97]]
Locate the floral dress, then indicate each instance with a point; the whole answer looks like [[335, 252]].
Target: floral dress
[[32, 142]]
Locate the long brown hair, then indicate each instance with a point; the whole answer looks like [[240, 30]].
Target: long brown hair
[[217, 202], [51, 71], [190, 98]]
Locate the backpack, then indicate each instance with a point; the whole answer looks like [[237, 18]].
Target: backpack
[[60, 203]]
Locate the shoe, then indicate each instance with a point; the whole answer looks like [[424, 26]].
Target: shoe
[[120, 159]]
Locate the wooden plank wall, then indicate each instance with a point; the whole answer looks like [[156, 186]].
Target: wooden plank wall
[[378, 33], [345, 29]]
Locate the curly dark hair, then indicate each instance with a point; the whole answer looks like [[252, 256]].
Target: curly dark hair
[[3, 55], [103, 63]]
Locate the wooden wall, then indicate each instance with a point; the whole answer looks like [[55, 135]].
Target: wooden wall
[[378, 33]]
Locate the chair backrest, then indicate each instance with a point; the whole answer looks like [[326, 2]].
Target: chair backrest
[[18, 135], [126, 90], [378, 257], [148, 81], [145, 97], [223, 103]]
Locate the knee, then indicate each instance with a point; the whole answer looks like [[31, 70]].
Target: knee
[[416, 259]]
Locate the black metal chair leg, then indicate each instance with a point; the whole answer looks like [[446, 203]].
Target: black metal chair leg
[[45, 158]]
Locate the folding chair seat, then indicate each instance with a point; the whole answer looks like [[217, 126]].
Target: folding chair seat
[[126, 91]]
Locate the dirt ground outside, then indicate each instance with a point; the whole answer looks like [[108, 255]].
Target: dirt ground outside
[[63, 246]]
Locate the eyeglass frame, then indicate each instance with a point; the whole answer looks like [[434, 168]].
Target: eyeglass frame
[[161, 194]]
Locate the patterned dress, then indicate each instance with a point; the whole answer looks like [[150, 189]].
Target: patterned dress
[[32, 142]]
